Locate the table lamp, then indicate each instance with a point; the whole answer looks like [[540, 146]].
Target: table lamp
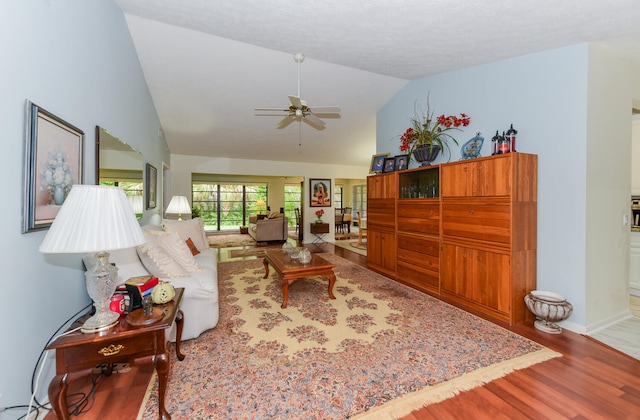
[[95, 219], [178, 205], [260, 203]]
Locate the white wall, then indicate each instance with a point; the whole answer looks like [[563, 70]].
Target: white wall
[[182, 166], [547, 97], [76, 60]]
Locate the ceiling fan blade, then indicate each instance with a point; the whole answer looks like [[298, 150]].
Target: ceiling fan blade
[[326, 109], [286, 121], [271, 109], [314, 121], [295, 101]]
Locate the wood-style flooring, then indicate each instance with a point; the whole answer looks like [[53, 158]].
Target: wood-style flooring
[[590, 381]]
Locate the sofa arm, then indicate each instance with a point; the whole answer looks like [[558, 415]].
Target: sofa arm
[[253, 219]]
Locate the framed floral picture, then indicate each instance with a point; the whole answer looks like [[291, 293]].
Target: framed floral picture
[[52, 165], [151, 186], [320, 192]]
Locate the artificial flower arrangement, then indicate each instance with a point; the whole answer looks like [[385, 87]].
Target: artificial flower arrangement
[[57, 173], [319, 214], [427, 131]]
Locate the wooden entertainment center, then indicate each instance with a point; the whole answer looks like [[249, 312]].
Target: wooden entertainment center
[[465, 232]]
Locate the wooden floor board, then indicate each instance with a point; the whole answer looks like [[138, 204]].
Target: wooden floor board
[[590, 381]]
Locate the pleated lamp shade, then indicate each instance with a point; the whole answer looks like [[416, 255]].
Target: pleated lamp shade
[[92, 219], [179, 205]]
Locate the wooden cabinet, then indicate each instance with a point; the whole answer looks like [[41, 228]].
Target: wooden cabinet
[[464, 231], [489, 234], [381, 223]]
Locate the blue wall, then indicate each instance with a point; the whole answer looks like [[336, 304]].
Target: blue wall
[[544, 95], [76, 60]]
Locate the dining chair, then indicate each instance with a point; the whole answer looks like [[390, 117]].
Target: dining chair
[[362, 228]]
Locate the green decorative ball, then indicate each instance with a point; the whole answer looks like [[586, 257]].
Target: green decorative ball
[[163, 293]]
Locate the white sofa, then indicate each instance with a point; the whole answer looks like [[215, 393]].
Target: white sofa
[[200, 299]]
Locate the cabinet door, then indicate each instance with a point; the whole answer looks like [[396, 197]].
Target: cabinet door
[[477, 178], [382, 186], [381, 214], [487, 220], [480, 277], [381, 250]]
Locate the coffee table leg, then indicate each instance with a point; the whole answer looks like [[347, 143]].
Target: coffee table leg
[[285, 294], [332, 281], [266, 268]]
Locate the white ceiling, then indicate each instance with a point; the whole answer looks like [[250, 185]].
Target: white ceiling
[[209, 63]]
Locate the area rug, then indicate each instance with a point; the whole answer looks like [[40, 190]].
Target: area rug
[[380, 350], [348, 245], [228, 241], [248, 252]]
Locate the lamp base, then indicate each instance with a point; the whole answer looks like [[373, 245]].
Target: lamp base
[[100, 322]]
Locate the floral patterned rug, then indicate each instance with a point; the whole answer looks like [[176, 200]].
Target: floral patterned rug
[[380, 350], [228, 241]]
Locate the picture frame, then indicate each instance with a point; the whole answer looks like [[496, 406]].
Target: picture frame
[[389, 165], [320, 192], [150, 186], [53, 163], [401, 162], [377, 162]]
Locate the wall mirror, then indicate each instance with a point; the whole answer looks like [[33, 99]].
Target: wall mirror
[[118, 164]]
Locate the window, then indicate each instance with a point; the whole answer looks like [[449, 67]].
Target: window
[[337, 197], [227, 206], [292, 200], [360, 200]]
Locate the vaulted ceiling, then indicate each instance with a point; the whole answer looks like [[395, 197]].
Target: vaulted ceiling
[[208, 64]]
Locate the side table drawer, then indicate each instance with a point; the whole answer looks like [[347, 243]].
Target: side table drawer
[[105, 351]]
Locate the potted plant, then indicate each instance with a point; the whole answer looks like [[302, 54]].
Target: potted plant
[[427, 135]]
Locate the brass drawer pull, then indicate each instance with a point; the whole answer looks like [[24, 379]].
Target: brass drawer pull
[[111, 350]]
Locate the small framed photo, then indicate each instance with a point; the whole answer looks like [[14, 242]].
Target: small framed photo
[[401, 162], [377, 163], [151, 186], [320, 192], [52, 165], [389, 165]]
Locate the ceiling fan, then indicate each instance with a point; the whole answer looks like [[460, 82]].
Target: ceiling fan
[[299, 110]]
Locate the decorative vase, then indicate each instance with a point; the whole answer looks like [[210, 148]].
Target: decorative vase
[[549, 308], [425, 154], [305, 256], [58, 195], [319, 220]]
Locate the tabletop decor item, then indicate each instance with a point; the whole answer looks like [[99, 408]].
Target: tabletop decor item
[[471, 149], [427, 135], [319, 214]]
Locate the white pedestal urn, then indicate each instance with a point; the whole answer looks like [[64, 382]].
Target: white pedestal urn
[[549, 308]]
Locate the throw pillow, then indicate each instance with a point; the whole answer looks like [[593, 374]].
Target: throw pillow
[[158, 263], [175, 247], [273, 215], [190, 228], [194, 249]]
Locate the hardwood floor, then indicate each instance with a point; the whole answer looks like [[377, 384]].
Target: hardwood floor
[[590, 381]]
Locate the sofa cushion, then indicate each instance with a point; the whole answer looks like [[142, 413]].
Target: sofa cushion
[[175, 247], [191, 228], [158, 262]]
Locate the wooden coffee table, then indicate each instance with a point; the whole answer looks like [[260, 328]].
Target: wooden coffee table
[[290, 269]]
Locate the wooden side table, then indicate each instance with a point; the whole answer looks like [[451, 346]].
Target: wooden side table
[[319, 230], [121, 344]]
